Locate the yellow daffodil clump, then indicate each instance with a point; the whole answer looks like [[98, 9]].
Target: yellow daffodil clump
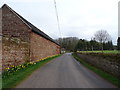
[[11, 69]]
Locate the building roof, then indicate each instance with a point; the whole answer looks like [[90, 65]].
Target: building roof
[[31, 26]]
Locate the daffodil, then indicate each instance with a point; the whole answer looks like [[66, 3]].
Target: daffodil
[[8, 68]]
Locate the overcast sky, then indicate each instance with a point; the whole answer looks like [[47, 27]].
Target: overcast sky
[[78, 18]]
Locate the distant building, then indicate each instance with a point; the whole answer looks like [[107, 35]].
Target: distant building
[[23, 42], [63, 50]]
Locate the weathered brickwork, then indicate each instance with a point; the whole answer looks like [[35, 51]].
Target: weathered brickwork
[[16, 38], [15, 52], [20, 43], [13, 26], [41, 47]]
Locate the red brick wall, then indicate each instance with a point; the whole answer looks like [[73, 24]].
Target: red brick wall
[[16, 38], [13, 26], [20, 44], [41, 47]]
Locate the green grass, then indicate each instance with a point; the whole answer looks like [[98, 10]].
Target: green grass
[[12, 80], [0, 82], [103, 74], [105, 51]]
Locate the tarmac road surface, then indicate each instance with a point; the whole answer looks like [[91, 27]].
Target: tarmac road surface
[[64, 72]]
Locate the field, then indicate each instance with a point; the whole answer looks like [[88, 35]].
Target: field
[[105, 51]]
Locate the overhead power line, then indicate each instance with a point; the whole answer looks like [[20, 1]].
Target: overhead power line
[[57, 18]]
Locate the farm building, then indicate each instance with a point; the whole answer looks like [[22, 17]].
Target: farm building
[[23, 42]]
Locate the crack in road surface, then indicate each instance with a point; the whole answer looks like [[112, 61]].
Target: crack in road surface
[[64, 72]]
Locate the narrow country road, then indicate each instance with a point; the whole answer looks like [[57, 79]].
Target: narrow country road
[[64, 72]]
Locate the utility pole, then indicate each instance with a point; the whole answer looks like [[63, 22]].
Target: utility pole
[[57, 16]]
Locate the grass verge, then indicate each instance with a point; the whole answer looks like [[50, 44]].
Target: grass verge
[[101, 73], [12, 80]]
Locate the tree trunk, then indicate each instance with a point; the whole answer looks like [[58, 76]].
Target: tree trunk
[[92, 48], [102, 47]]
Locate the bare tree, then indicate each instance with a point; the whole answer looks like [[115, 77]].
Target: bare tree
[[68, 43], [102, 36]]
